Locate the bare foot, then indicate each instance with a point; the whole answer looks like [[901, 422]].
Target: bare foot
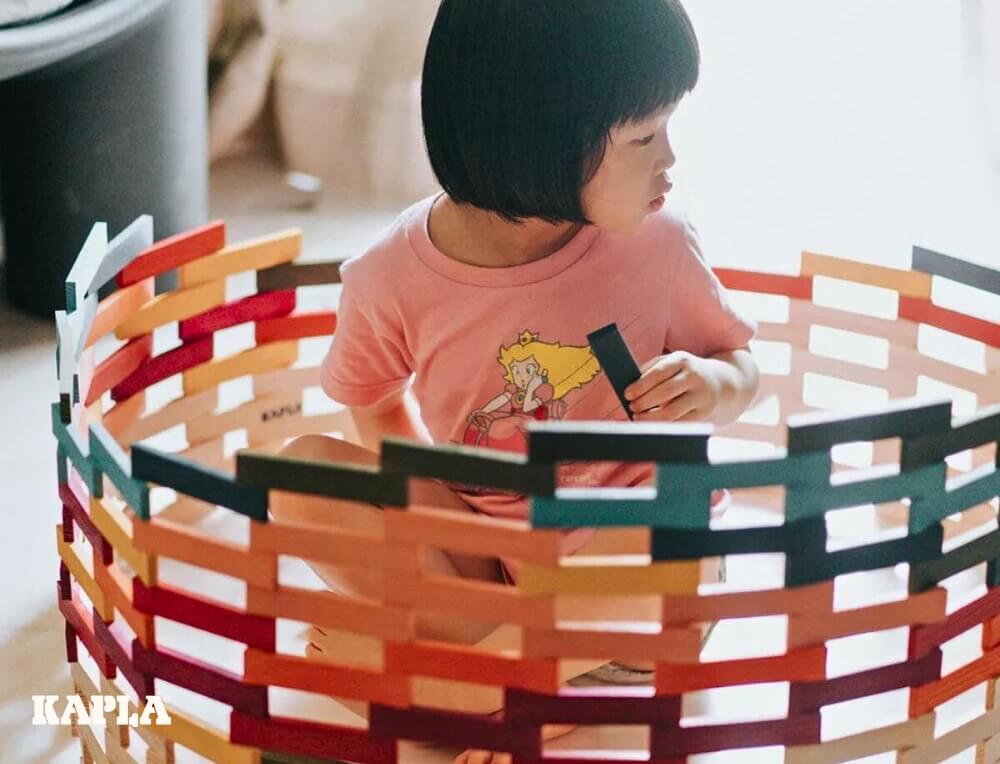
[[475, 756]]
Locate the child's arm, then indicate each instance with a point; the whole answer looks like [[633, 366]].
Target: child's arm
[[396, 415]]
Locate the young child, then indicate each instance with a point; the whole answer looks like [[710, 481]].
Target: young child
[[546, 124]]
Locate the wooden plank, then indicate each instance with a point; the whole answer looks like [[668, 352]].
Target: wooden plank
[[474, 534], [467, 465], [250, 255], [672, 740], [117, 367], [798, 287], [260, 410], [117, 466], [925, 698], [163, 366], [82, 576], [122, 250], [115, 586], [252, 361], [310, 739], [926, 312], [340, 546], [116, 646], [296, 326], [453, 729], [616, 361], [172, 306], [117, 307], [292, 275], [176, 412], [815, 628], [715, 603], [894, 737], [934, 634], [324, 608], [618, 441], [469, 663], [256, 307], [954, 741], [205, 614], [116, 527], [173, 252], [586, 575], [82, 623], [801, 665], [964, 272], [911, 283], [211, 743], [168, 539], [591, 706], [74, 511], [85, 266], [629, 642], [268, 668]]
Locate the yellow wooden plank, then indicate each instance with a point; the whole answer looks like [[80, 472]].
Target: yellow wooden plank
[[894, 737], [207, 741], [86, 581], [955, 741], [585, 575], [253, 361], [250, 255], [116, 528], [910, 283], [172, 306]]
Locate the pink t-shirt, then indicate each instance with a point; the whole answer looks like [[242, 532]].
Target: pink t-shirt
[[493, 349]]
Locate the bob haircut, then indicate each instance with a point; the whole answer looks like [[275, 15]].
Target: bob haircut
[[519, 96]]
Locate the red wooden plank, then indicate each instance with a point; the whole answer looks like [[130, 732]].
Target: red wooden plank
[[226, 621], [257, 307], [82, 623], [200, 677], [305, 738], [928, 636], [296, 327], [71, 654], [452, 729], [591, 705], [170, 253], [800, 287], [65, 585], [119, 366], [73, 509], [926, 312], [807, 697], [595, 757], [680, 741], [116, 648], [804, 664], [163, 366]]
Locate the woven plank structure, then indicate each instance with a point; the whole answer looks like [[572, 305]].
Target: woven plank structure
[[177, 582]]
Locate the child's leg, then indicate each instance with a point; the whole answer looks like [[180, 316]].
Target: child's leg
[[321, 510]]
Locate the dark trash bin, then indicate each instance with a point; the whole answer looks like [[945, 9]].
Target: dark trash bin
[[102, 117]]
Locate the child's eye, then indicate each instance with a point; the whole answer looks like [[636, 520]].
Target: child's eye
[[647, 140]]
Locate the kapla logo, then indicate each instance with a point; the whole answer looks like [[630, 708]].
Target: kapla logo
[[75, 708]]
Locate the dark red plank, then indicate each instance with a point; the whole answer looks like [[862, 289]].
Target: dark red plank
[[163, 366], [305, 738], [680, 741], [591, 705], [73, 507], [258, 307], [82, 623], [119, 366], [452, 729]]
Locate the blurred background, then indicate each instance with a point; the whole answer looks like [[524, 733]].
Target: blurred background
[[846, 127]]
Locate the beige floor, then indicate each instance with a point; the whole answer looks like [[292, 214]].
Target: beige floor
[[845, 136]]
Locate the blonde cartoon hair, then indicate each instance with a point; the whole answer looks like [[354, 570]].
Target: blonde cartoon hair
[[566, 368]]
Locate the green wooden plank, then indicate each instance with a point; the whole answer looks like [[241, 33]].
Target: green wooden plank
[[115, 463], [78, 452]]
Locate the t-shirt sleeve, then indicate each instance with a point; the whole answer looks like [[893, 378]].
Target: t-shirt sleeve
[[366, 361], [702, 321]]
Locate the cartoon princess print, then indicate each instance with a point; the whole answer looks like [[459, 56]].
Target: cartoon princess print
[[539, 376]]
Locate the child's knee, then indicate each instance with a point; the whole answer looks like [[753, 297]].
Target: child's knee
[[328, 449]]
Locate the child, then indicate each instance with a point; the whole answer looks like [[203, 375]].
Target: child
[[546, 123]]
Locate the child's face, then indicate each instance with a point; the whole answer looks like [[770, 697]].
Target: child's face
[[632, 179]]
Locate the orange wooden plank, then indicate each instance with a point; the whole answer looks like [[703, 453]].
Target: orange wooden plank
[[296, 326], [168, 539], [925, 698], [324, 608], [252, 361], [116, 526], [86, 581], [118, 590], [118, 306], [469, 664], [474, 534], [806, 664], [326, 678], [912, 283], [491, 603], [118, 366], [638, 643], [251, 255], [172, 306], [812, 599], [927, 607], [123, 414], [318, 543]]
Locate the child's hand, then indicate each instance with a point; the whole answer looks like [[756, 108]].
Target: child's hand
[[677, 387]]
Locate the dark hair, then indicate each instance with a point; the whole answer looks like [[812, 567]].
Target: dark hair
[[519, 96]]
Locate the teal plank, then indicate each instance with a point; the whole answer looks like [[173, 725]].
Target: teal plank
[[610, 508], [926, 481], [976, 487], [61, 468], [78, 453], [118, 467], [809, 468]]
